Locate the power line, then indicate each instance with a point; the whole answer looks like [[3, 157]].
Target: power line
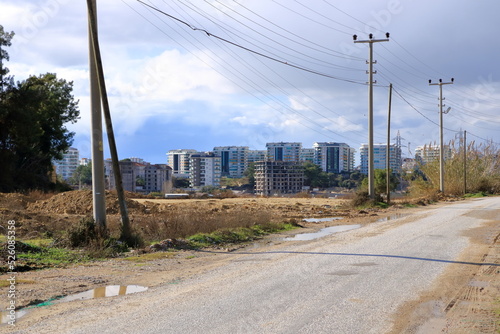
[[250, 50], [275, 99]]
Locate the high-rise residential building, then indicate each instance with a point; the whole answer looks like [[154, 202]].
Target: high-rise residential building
[[233, 160], [85, 161], [278, 177], [428, 153], [379, 157], [307, 154], [256, 155], [178, 160], [284, 151], [334, 157], [205, 170], [66, 167]]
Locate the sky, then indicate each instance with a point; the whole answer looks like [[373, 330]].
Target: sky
[[206, 73]]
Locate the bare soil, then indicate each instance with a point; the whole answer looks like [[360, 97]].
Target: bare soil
[[464, 300]]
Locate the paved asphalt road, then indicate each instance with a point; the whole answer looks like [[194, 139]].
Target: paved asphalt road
[[349, 282]]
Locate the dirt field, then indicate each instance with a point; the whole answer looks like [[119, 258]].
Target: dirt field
[[470, 310]]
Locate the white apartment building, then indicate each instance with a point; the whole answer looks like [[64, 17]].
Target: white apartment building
[[234, 160], [379, 157], [178, 160], [427, 153], [256, 155], [66, 167], [334, 157], [307, 154], [284, 151], [204, 170]]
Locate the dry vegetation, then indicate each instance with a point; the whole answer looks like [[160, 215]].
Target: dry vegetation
[[482, 166]]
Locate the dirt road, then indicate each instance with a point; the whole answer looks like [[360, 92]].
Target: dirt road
[[406, 275]]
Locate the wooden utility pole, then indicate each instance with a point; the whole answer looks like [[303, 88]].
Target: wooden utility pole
[[125, 228]]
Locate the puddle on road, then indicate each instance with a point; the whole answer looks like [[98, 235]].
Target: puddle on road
[[392, 217], [322, 233], [100, 292], [319, 220]]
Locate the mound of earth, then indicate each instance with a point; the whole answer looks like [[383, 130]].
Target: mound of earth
[[79, 202]]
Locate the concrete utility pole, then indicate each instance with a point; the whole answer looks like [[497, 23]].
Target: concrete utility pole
[[98, 191], [465, 162], [126, 232], [388, 150], [441, 146], [370, 62]]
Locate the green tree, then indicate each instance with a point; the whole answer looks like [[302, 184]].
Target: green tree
[[314, 176], [381, 183], [82, 175], [32, 132], [5, 41], [180, 182], [250, 174]]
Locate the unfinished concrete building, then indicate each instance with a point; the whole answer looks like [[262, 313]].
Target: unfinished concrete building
[[278, 177]]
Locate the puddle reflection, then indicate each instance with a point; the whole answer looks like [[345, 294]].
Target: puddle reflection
[[319, 220], [323, 232], [100, 292]]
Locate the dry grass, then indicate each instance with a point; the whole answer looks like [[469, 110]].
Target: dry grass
[[482, 165], [179, 223]]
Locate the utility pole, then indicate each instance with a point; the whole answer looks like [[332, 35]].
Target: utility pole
[[98, 191], [388, 150], [126, 232], [441, 146], [465, 162], [370, 72]]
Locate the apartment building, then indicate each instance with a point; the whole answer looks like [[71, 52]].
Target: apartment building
[[204, 170], [334, 157], [65, 168], [379, 157], [140, 177], [428, 153], [234, 160], [278, 177], [132, 174], [284, 151], [307, 154], [178, 160], [158, 178], [256, 155]]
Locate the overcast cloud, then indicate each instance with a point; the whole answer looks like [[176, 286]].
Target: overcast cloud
[[174, 87]]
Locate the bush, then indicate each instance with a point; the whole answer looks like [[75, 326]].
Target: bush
[[362, 199]]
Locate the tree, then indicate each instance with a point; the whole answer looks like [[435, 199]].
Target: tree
[[180, 182], [250, 174], [5, 40], [82, 175], [380, 181], [314, 176], [32, 132]]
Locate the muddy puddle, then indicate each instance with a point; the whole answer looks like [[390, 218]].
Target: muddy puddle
[[319, 220], [323, 232], [392, 217], [100, 292]]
